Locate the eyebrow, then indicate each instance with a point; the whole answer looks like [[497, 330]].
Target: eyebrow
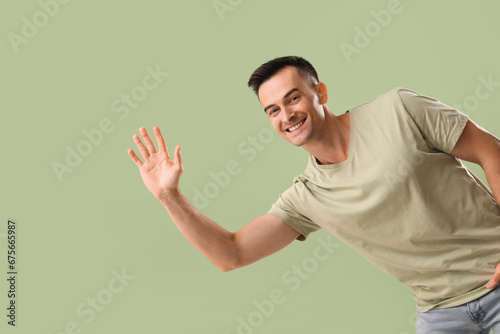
[[284, 97]]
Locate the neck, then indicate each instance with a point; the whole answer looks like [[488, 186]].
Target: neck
[[332, 142]]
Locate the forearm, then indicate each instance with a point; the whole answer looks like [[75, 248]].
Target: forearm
[[492, 173], [212, 240], [491, 166]]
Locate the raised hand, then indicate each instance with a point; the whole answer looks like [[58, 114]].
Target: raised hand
[[160, 173]]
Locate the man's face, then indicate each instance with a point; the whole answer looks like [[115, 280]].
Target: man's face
[[293, 106]]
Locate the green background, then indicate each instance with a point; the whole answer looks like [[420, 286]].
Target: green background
[[100, 218]]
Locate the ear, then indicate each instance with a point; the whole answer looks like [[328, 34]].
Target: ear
[[322, 92]]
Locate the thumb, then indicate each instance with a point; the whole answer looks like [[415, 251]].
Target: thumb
[[177, 156]]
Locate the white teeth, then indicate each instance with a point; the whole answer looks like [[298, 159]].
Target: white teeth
[[296, 126]]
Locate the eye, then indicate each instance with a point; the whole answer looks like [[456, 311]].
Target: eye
[[273, 111], [294, 98]]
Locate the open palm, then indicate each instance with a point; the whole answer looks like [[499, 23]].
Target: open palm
[[159, 172]]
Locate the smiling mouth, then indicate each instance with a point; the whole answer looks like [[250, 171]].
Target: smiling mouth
[[296, 126]]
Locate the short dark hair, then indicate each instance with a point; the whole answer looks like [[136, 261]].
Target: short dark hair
[[267, 70]]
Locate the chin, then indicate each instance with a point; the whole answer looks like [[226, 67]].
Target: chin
[[295, 142], [301, 140]]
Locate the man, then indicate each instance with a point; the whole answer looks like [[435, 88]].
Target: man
[[384, 177]]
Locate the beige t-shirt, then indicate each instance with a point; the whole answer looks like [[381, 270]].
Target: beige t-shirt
[[403, 202]]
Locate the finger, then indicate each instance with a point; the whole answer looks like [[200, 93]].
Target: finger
[[134, 157], [147, 140], [492, 283], [177, 155], [140, 146], [495, 279], [160, 140]]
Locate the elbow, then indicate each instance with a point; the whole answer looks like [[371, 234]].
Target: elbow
[[232, 260], [226, 267], [233, 266], [235, 263]]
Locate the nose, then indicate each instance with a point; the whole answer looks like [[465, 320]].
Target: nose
[[288, 115]]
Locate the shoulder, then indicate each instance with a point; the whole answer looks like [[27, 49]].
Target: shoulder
[[382, 100], [402, 94], [412, 99]]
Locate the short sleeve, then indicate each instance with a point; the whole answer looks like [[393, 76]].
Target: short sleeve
[[440, 124], [289, 208]]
